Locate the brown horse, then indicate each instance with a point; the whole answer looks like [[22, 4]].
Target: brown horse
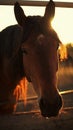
[[30, 50]]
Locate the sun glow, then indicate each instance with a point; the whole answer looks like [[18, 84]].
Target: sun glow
[[62, 23], [63, 52]]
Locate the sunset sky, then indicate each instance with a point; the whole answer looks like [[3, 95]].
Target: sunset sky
[[63, 21]]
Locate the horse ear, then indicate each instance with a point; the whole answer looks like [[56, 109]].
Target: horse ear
[[50, 11], [19, 14]]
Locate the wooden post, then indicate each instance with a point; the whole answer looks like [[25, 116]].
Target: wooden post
[[36, 3]]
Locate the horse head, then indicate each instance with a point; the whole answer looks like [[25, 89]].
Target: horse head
[[39, 46]]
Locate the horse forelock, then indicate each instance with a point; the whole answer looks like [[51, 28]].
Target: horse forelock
[[36, 25]]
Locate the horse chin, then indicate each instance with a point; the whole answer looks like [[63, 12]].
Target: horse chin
[[49, 113], [50, 109]]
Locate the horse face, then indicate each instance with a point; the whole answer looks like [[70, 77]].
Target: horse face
[[40, 44], [40, 65]]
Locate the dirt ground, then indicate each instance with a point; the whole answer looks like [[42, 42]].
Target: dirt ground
[[33, 122], [29, 118]]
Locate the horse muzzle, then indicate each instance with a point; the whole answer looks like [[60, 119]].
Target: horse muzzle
[[50, 109]]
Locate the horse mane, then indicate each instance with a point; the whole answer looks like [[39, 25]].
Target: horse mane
[[11, 63], [10, 39]]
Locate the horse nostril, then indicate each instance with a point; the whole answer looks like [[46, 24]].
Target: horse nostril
[[50, 109]]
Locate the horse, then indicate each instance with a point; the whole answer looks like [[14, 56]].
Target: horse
[[29, 50]]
